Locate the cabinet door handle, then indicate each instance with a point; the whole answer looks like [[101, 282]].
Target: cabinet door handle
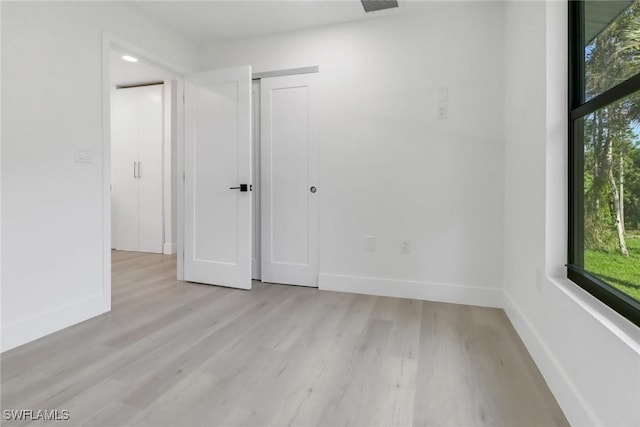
[[134, 170]]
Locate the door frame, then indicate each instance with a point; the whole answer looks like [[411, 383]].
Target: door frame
[[109, 42], [256, 207]]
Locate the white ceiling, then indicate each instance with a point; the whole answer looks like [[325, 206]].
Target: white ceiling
[[125, 73], [204, 21], [212, 20]]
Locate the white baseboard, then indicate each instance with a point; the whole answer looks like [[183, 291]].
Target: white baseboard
[[23, 331], [456, 294], [169, 248], [569, 398]]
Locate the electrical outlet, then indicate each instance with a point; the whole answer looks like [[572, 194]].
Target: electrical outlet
[[443, 111], [369, 244], [405, 246]]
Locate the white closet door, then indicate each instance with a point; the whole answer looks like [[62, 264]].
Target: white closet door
[[124, 154], [217, 226], [289, 180], [150, 138]]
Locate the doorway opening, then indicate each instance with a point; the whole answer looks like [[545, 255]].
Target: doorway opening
[[221, 184], [140, 151], [284, 141], [143, 160]]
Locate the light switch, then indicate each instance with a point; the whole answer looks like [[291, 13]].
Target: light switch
[[443, 111], [83, 155]]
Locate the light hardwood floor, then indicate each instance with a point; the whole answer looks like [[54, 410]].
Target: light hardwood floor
[[182, 354]]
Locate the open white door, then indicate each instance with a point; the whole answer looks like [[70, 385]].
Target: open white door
[[217, 221], [289, 169]]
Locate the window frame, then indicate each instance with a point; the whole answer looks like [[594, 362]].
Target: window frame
[[622, 303]]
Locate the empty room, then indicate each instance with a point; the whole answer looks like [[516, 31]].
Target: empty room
[[320, 213]]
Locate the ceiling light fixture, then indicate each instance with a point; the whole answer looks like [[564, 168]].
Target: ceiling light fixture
[[375, 5], [129, 58]]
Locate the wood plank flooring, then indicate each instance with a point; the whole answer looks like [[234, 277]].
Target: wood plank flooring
[[182, 354]]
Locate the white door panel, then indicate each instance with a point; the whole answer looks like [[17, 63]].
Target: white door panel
[[289, 170], [218, 156], [136, 169], [150, 137], [124, 154]]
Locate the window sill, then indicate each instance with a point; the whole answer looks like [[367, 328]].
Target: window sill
[[614, 322]]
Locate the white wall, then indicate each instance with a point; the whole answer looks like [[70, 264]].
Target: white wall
[[52, 229], [388, 167], [589, 356]]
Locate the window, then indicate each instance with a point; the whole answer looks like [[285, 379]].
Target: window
[[604, 152]]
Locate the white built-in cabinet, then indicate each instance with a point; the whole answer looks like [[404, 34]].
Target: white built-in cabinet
[[136, 169]]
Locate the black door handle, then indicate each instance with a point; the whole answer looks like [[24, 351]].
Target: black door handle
[[243, 187]]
